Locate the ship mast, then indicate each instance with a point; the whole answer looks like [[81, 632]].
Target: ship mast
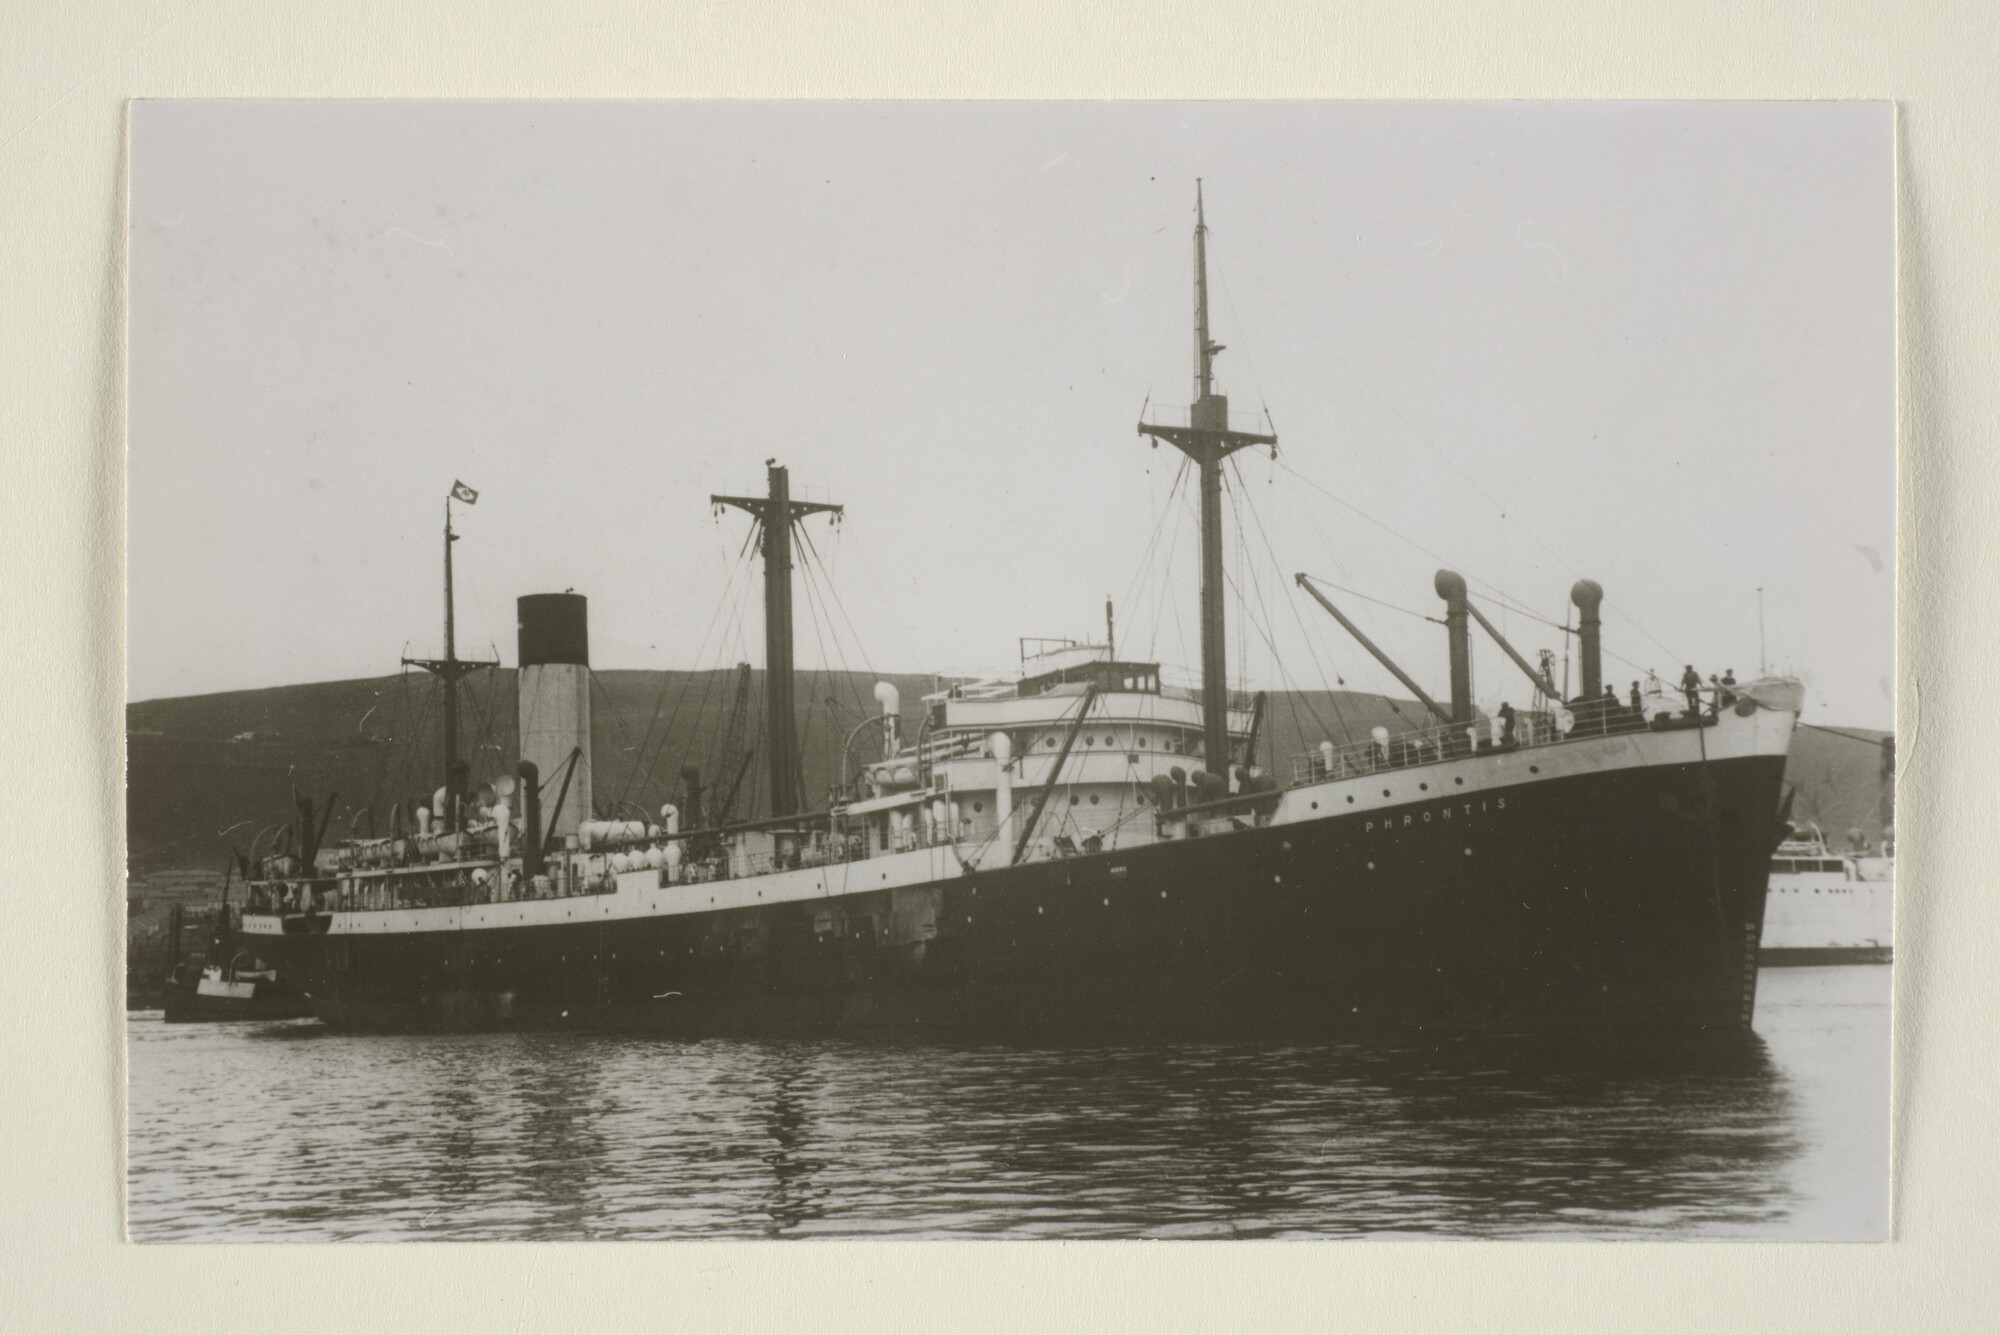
[[1207, 440], [450, 668], [775, 514]]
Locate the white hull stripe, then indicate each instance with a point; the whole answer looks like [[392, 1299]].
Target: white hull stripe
[[640, 895]]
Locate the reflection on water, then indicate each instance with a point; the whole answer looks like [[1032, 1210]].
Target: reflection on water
[[289, 1131]]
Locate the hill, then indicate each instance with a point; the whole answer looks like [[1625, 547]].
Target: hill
[[206, 773]]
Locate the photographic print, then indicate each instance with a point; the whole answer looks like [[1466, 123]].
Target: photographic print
[[1010, 670]]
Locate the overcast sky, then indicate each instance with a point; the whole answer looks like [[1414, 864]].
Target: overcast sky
[[1651, 344]]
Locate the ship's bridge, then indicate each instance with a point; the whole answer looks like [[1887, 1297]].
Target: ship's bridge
[[1141, 723]]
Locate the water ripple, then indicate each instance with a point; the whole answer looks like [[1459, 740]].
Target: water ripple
[[291, 1132]]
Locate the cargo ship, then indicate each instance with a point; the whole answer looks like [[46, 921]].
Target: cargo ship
[[1075, 845]]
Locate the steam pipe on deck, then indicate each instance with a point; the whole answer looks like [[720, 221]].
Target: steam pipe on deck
[[1588, 594], [531, 819], [1450, 586], [691, 781]]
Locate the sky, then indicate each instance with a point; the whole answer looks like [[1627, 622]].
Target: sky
[[1651, 344]]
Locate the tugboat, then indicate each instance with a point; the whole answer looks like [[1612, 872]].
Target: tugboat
[[1076, 845], [231, 983]]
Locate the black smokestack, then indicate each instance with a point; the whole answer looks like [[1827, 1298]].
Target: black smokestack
[[554, 695]]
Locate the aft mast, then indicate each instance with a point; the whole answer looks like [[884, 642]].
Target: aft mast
[[775, 513], [450, 668], [1207, 440]]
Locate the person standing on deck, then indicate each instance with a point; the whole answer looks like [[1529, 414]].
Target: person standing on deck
[[1691, 688]]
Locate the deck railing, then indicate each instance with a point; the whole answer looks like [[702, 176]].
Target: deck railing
[[1439, 741]]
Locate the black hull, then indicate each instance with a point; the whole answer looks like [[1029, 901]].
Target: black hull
[[1631, 897], [1779, 957]]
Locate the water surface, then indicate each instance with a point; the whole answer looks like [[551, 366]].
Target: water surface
[[291, 1132]]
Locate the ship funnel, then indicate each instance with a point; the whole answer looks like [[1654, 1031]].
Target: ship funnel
[[554, 644], [891, 701], [1450, 586], [1587, 594]]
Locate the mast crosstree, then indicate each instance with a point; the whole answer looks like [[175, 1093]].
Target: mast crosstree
[[775, 514], [1207, 440]]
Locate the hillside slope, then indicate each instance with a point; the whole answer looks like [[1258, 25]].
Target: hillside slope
[[206, 773]]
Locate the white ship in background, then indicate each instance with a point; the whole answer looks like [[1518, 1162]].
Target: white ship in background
[[1827, 907]]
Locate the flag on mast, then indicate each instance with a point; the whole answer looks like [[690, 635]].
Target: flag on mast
[[461, 492]]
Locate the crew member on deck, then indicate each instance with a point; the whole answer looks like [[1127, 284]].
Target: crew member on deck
[[1506, 724], [1638, 709], [1691, 688]]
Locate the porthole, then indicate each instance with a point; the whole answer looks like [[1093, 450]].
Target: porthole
[[1423, 788], [1316, 805], [1090, 741], [978, 807], [1534, 769], [1093, 799], [1460, 781], [1385, 792], [1142, 743], [1350, 799], [1051, 743], [1074, 799]]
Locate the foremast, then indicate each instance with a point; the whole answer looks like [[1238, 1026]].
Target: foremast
[[775, 514], [450, 668], [1207, 440]]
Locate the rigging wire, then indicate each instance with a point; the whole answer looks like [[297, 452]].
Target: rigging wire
[[1492, 591], [1169, 522], [875, 587], [860, 647], [1164, 522], [602, 692], [1332, 698], [732, 591], [1430, 445]]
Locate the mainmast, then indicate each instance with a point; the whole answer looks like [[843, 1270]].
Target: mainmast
[[451, 667], [775, 514], [1207, 440]]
